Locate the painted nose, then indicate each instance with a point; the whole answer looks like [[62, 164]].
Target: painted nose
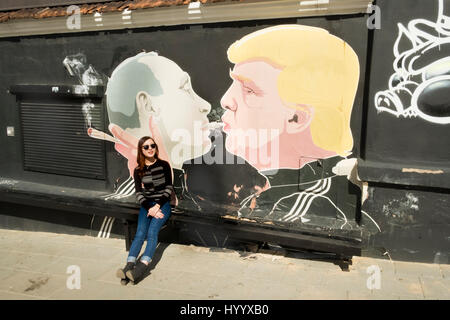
[[228, 102], [205, 107]]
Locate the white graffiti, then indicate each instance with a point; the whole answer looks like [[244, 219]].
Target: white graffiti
[[420, 85], [8, 181], [77, 66], [126, 189], [105, 229]]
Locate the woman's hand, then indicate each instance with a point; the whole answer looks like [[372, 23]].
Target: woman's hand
[[153, 210], [159, 215]]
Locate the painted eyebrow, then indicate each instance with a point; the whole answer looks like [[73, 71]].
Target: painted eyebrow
[[245, 81], [184, 79]]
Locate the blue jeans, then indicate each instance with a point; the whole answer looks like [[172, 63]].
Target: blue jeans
[[147, 228]]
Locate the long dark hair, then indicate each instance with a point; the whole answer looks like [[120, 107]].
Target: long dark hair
[[140, 154]]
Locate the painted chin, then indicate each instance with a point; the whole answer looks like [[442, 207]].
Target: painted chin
[[205, 131], [226, 127]]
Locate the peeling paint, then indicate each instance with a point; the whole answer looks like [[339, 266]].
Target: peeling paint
[[349, 168], [345, 167], [422, 171], [365, 192], [237, 218]]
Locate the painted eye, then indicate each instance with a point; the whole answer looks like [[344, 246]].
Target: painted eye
[[185, 86], [248, 90]]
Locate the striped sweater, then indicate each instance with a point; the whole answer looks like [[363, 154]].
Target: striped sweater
[[155, 185]]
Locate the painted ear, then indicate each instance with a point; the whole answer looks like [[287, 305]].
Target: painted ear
[[145, 104], [299, 120]]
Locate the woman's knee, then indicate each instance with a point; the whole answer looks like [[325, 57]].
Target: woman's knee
[[153, 232], [140, 236]]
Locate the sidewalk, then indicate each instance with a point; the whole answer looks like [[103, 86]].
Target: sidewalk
[[34, 265]]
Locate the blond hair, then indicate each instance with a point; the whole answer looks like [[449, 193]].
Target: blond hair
[[318, 70]]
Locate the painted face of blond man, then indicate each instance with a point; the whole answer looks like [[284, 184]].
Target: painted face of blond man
[[291, 97]]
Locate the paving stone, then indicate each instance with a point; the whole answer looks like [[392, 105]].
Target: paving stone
[[264, 270], [219, 253], [231, 268], [196, 284], [308, 292], [6, 273], [343, 281], [9, 241], [26, 261], [39, 246], [268, 290], [193, 262], [88, 270], [435, 289], [175, 295], [99, 242], [299, 273], [7, 295], [422, 270], [167, 262], [95, 291], [406, 287], [445, 270], [163, 280], [367, 266], [34, 265], [226, 288], [93, 252], [34, 284]]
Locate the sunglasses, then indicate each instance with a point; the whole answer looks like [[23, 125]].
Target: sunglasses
[[146, 147]]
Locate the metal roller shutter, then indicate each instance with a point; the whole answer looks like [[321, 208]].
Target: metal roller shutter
[[55, 139]]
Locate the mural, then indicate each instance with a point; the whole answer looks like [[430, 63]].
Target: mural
[[280, 153], [299, 83], [420, 85], [151, 95]]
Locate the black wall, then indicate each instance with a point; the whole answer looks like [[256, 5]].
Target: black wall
[[199, 50], [409, 141], [406, 159], [412, 209]]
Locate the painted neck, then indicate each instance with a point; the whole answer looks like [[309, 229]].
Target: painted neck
[[291, 151]]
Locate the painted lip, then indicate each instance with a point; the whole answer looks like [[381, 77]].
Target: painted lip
[[226, 126], [205, 126]]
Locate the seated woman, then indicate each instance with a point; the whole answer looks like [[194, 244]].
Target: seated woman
[[153, 186]]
